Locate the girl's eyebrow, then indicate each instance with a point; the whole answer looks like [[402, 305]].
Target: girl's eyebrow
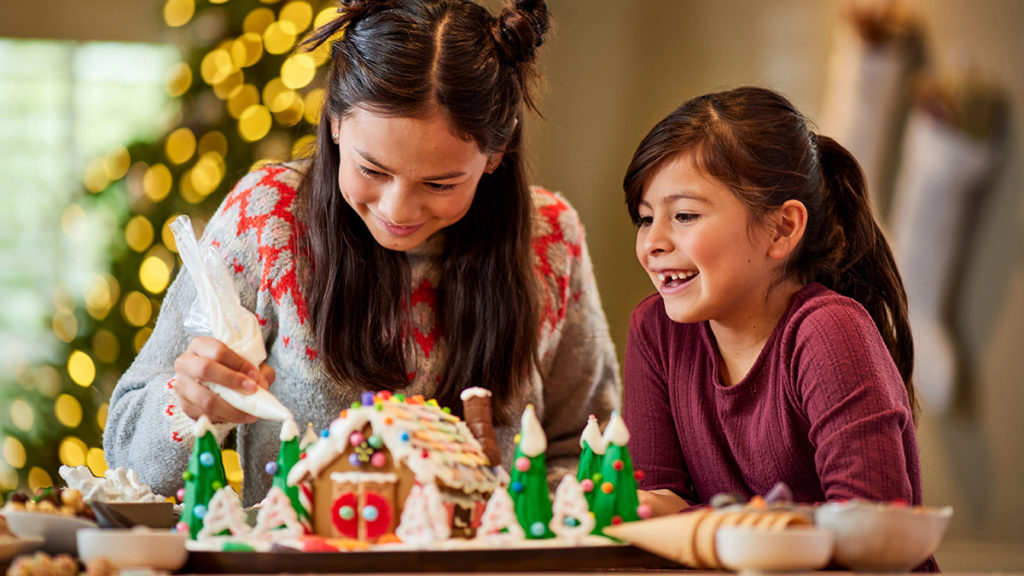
[[679, 196], [369, 158]]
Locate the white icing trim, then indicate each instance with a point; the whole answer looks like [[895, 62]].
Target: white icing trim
[[474, 392], [202, 426], [532, 440], [359, 477], [289, 430], [616, 432], [592, 436]]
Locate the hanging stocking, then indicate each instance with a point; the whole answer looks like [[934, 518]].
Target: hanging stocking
[[947, 152], [867, 87]]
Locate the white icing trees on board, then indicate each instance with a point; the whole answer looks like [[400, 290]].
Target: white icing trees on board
[[571, 513], [499, 522]]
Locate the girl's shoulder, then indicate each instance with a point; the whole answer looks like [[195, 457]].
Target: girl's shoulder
[[817, 311], [554, 218]]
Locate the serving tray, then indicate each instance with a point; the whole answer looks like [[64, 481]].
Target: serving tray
[[515, 558]]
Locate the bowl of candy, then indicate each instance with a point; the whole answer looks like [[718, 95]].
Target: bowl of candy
[[54, 515], [883, 536]]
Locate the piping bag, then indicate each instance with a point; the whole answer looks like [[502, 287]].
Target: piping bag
[[217, 311]]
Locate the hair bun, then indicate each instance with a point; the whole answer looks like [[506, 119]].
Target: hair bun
[[519, 31]]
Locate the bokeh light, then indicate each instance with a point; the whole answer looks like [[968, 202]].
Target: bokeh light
[[178, 12], [136, 308], [96, 461], [101, 415], [295, 17], [94, 177], [314, 105], [138, 233], [72, 220], [48, 381], [256, 22], [81, 368], [254, 123], [14, 452], [68, 410], [65, 325], [298, 70], [180, 146], [277, 40], [154, 274], [22, 415], [247, 50], [106, 346], [38, 478], [227, 87], [72, 451], [117, 163], [247, 96], [140, 338], [156, 183], [303, 146], [213, 141], [179, 79], [168, 237], [207, 173], [100, 295]]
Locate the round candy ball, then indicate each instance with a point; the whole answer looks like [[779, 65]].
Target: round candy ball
[[347, 512], [206, 459], [271, 468], [538, 528], [522, 463], [370, 513]]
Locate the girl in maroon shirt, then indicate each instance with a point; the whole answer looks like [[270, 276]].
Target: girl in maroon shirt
[[777, 347]]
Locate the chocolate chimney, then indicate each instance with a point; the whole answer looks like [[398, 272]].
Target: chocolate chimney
[[476, 407]]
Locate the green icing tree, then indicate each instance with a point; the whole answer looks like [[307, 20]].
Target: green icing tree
[[287, 457], [615, 498], [588, 473], [203, 478], [528, 485]]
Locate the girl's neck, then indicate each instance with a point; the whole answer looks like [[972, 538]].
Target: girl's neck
[[740, 341]]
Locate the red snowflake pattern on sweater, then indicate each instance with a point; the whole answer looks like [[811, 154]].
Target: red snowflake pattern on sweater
[[554, 310], [277, 284]]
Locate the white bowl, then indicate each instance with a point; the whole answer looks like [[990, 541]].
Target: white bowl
[[57, 530], [793, 549], [878, 537], [138, 547], [11, 546]]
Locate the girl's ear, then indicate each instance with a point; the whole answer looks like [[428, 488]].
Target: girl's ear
[[493, 160], [335, 127], [788, 228]]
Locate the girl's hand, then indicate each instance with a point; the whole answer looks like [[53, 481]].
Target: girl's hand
[[661, 502], [210, 360]]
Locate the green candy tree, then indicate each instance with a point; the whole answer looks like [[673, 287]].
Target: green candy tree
[[203, 478], [615, 498], [528, 485]]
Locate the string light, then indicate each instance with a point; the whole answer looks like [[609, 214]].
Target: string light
[[240, 101], [254, 123], [106, 346], [256, 22], [296, 17], [247, 49], [298, 70], [277, 40], [213, 141], [136, 308]]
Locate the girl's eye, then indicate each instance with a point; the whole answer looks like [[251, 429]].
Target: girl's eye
[[685, 217], [368, 172], [437, 187], [643, 221]]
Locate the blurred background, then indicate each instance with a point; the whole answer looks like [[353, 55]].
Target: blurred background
[[116, 116]]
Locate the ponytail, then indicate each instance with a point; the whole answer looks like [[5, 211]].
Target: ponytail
[[861, 264]]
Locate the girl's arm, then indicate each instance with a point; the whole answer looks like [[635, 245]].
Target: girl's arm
[[653, 436], [859, 416], [582, 374]]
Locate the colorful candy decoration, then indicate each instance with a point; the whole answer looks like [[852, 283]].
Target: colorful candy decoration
[[615, 500], [592, 451], [528, 486], [204, 476]]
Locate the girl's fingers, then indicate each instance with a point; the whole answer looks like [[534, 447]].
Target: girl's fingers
[[198, 400], [208, 360], [268, 375]]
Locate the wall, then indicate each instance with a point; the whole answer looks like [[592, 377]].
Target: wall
[[615, 67]]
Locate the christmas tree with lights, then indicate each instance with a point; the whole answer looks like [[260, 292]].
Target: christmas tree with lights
[[247, 97], [204, 477]]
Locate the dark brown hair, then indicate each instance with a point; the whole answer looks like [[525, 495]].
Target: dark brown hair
[[406, 59], [755, 142]]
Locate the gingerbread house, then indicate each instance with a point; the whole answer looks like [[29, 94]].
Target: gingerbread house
[[357, 477]]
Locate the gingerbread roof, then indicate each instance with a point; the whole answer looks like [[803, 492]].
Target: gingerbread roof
[[434, 445]]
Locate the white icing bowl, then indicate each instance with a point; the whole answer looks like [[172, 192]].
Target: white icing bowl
[[138, 547], [57, 530], [793, 549], [879, 537]]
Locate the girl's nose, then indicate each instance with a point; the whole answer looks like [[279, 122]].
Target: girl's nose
[[397, 204], [657, 238]]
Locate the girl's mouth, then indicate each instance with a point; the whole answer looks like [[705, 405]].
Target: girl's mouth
[[674, 279]]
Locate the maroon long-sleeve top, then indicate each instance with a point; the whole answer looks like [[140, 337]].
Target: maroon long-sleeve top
[[823, 408]]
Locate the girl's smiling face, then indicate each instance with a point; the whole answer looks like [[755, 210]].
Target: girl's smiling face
[[407, 178], [697, 244]]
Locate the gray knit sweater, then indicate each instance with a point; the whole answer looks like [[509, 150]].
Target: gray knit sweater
[[256, 230]]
